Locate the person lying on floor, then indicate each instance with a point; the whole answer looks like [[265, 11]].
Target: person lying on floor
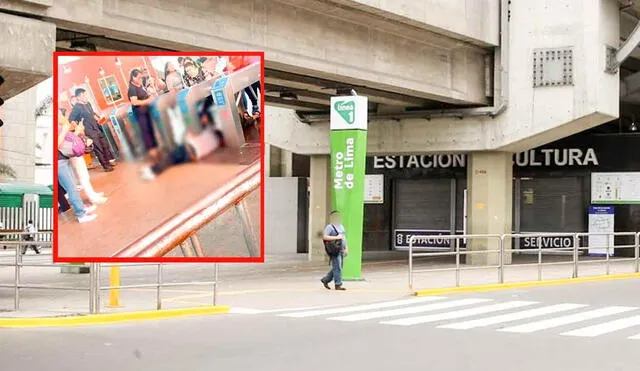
[[196, 147]]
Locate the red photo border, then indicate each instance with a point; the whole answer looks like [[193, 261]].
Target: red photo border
[[222, 259]]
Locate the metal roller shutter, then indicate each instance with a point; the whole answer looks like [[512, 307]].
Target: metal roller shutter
[[423, 204], [552, 205]]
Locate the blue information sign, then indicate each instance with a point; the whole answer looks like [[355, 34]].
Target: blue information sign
[[218, 97]]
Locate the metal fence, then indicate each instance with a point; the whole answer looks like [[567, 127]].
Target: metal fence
[[93, 287], [496, 247]]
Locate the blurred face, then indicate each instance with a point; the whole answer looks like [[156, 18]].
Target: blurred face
[[171, 68], [82, 98], [138, 79], [73, 101], [191, 70], [145, 73], [335, 218]]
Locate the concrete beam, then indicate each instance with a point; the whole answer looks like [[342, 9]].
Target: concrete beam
[[475, 21], [535, 115], [25, 55], [296, 36]]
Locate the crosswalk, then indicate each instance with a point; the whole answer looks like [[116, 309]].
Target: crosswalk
[[516, 316]]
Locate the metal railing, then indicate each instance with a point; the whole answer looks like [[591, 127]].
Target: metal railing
[[182, 227], [94, 287], [499, 245]]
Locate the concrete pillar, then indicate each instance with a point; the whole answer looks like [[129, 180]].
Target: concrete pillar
[[319, 204], [490, 183], [267, 160], [18, 148], [286, 158]]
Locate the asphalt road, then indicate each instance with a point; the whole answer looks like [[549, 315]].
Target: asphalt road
[[363, 336]]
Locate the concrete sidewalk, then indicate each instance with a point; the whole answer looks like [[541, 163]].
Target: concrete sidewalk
[[282, 282]]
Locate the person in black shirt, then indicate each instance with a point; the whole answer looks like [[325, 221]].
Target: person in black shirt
[[140, 100], [82, 112]]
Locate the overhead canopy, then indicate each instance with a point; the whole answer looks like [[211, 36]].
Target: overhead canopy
[[11, 194]]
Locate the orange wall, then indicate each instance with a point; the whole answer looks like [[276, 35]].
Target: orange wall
[[89, 67]]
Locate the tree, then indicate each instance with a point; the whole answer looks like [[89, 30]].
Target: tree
[[7, 171]]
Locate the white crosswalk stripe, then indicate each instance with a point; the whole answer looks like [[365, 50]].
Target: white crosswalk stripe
[[359, 308], [511, 317], [458, 314], [605, 328], [516, 316], [410, 310], [566, 320]]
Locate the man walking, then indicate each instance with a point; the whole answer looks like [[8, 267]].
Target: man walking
[[83, 112], [334, 232], [31, 229]]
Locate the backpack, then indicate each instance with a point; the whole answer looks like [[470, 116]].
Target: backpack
[[333, 248], [72, 146]]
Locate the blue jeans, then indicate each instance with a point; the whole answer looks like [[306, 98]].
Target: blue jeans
[[66, 180], [335, 274]]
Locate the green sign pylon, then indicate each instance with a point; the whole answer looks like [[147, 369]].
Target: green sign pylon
[[348, 163]]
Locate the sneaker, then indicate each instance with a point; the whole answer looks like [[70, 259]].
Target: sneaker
[[147, 174], [86, 218], [90, 209], [99, 200]]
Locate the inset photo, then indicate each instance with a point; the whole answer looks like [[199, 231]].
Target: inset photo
[[159, 156]]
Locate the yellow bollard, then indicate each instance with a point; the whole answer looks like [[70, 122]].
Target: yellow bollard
[[114, 281]]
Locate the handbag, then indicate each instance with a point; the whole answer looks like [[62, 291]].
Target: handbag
[[72, 146], [88, 145], [333, 248]]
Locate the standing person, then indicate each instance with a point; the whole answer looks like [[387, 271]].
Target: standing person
[[236, 63], [63, 203], [65, 177], [2, 236], [83, 113], [334, 231], [172, 78], [140, 100], [31, 229], [82, 174]]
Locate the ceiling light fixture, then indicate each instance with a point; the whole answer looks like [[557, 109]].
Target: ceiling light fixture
[[101, 71], [118, 63], [83, 46], [287, 95], [343, 91]]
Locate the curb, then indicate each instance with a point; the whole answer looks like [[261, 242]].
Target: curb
[[517, 285], [109, 318]]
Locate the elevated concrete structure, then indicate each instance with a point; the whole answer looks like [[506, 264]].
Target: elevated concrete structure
[[343, 44], [26, 46], [533, 115]]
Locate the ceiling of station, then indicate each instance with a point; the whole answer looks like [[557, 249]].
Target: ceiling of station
[[305, 94], [311, 95]]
